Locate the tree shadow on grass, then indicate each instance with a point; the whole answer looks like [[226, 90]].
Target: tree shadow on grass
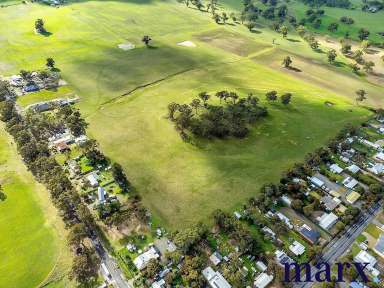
[[294, 69], [293, 40], [3, 196], [339, 64], [256, 31]]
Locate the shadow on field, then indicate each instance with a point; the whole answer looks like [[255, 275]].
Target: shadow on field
[[138, 2]]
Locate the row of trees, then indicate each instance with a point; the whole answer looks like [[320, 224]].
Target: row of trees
[[34, 151], [202, 119]]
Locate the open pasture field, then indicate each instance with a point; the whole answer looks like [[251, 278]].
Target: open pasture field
[[125, 93], [32, 246]]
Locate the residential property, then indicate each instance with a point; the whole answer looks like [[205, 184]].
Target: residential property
[[353, 168], [316, 181], [309, 234], [352, 197], [263, 280], [326, 221], [336, 169], [261, 266], [282, 258], [350, 182], [376, 168], [286, 200], [379, 156], [159, 284], [284, 219], [365, 257], [297, 248], [101, 195], [329, 202], [269, 231], [379, 246], [215, 279], [92, 179], [370, 144], [216, 258], [143, 259]]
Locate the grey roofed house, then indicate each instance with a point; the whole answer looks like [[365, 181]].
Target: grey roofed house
[[215, 279], [329, 202], [379, 246], [309, 234], [376, 168], [326, 221], [316, 181], [282, 258], [350, 182], [336, 169], [261, 266], [263, 280], [353, 168]]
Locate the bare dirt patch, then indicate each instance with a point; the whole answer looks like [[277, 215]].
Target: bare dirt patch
[[126, 46], [231, 42], [187, 44]]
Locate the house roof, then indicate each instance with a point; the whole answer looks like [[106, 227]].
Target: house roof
[[297, 248], [352, 197], [262, 280], [353, 168], [326, 221], [355, 285], [329, 202], [215, 279], [261, 266], [310, 234], [379, 246], [379, 156], [316, 181], [215, 258], [92, 179], [365, 257], [350, 182], [142, 260], [336, 169]]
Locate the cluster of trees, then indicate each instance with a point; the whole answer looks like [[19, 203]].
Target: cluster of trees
[[347, 20], [330, 3], [272, 96], [313, 17], [2, 194], [4, 90], [72, 119], [34, 151], [202, 119]]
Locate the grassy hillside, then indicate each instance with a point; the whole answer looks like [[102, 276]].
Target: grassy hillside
[[124, 95], [32, 246]]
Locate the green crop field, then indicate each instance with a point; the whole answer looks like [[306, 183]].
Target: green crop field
[[125, 93], [32, 249]]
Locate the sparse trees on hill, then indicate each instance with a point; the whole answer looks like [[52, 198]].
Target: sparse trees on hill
[[287, 61], [286, 98], [271, 96], [345, 48], [363, 34], [284, 31], [361, 95], [39, 26], [368, 66], [331, 54], [50, 63], [333, 27], [146, 39], [355, 68]]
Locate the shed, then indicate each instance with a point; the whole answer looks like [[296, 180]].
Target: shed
[[263, 280], [216, 258], [261, 266], [336, 169]]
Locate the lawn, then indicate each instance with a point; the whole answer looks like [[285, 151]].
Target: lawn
[[32, 245], [124, 96], [45, 95]]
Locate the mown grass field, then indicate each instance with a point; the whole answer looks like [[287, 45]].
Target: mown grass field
[[32, 245], [124, 95]]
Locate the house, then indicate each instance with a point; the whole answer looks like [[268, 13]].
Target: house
[[316, 181], [336, 169], [81, 140], [269, 231], [356, 285], [92, 179], [101, 195], [143, 259], [73, 167], [370, 144], [215, 279], [329, 202], [31, 88], [353, 168], [284, 219], [297, 248], [282, 258], [237, 215], [365, 257], [62, 147], [159, 284], [261, 266], [350, 182], [263, 280], [309, 234], [286, 200], [379, 246], [326, 221], [216, 258], [345, 159], [352, 197], [379, 156], [342, 209], [334, 193], [376, 168]]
